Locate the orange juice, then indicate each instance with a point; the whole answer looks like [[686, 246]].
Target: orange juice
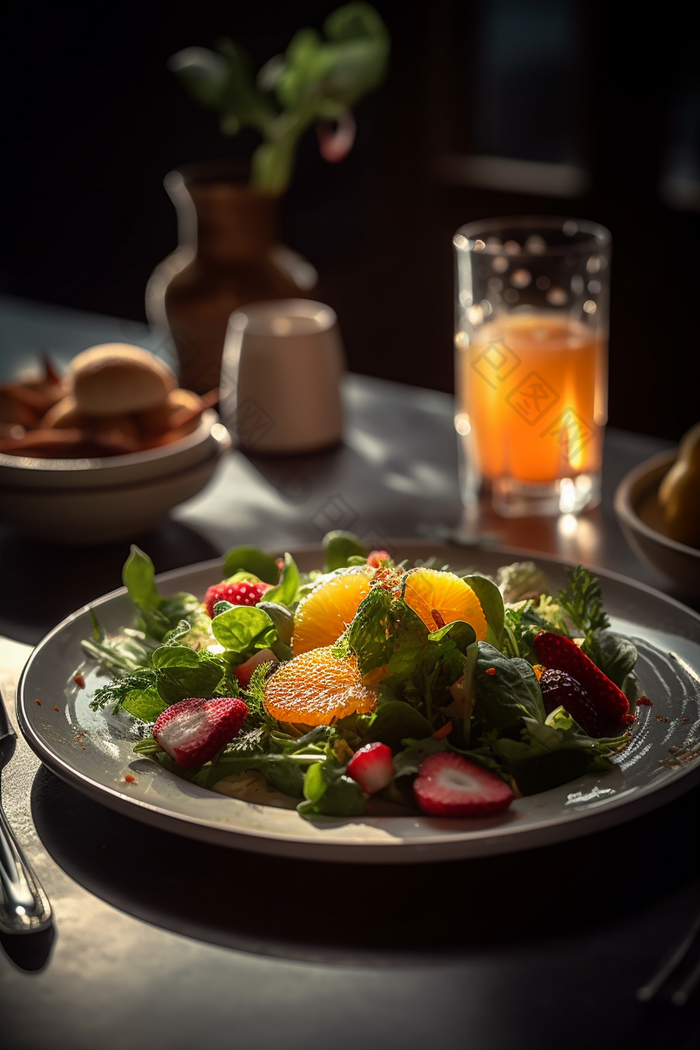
[[531, 398]]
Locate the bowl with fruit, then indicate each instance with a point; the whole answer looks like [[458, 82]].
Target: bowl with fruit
[[105, 448], [658, 508]]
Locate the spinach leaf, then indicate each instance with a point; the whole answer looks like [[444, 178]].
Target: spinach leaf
[[157, 615], [184, 673], [395, 721], [329, 792], [242, 630], [506, 689], [251, 560], [614, 655], [338, 547], [408, 761], [285, 593], [145, 704], [282, 618], [554, 752], [138, 576], [491, 602]]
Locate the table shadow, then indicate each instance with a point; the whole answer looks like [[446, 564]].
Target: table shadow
[[81, 574], [369, 914]]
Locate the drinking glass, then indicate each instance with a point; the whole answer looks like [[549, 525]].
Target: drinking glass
[[531, 346]]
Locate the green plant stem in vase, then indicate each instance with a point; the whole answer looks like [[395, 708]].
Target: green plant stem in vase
[[223, 263]]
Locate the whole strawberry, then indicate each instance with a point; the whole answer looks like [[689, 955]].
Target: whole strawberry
[[242, 592], [563, 654], [193, 731], [559, 689]]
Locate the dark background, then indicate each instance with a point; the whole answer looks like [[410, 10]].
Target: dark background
[[93, 121]]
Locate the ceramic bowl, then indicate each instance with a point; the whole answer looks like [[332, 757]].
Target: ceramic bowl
[[92, 501], [90, 472], [641, 519]]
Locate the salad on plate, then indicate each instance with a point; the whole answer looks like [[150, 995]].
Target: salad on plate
[[368, 686]]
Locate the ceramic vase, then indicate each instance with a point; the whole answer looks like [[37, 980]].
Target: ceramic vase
[[229, 254]]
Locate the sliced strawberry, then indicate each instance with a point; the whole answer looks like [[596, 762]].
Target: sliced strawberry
[[242, 592], [449, 785], [372, 767], [194, 731], [244, 671], [563, 654], [559, 689]]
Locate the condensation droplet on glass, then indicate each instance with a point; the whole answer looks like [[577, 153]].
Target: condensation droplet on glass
[[589, 306], [493, 243], [594, 287], [535, 244], [479, 245], [475, 314], [465, 298], [486, 307], [500, 264], [511, 248], [543, 283], [570, 228], [460, 241], [593, 264], [556, 296], [577, 284], [520, 278], [510, 295], [495, 284]]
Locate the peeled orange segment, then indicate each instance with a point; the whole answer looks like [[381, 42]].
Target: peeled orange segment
[[317, 689], [322, 616], [440, 597]]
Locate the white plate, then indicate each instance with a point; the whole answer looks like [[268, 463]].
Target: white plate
[[94, 752]]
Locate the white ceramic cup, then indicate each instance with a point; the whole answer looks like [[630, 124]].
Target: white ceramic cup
[[280, 377]]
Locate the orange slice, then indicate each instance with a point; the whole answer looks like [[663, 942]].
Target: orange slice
[[316, 689], [322, 616], [440, 597]]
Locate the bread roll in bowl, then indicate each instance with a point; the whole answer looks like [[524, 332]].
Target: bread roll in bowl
[[65, 415], [115, 379], [158, 421]]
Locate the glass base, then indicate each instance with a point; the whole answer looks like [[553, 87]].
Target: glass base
[[519, 499]]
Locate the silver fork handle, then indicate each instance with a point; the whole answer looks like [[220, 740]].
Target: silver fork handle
[[24, 906]]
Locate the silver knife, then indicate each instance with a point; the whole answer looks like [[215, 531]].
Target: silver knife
[[24, 906]]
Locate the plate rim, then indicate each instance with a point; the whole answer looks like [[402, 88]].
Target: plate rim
[[436, 846]]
